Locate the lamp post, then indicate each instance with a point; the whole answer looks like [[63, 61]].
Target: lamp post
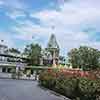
[[54, 58]]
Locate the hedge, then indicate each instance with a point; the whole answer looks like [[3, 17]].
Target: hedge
[[72, 86]]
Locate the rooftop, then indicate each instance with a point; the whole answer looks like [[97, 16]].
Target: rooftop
[[53, 42]]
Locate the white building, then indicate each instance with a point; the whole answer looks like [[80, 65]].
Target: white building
[[10, 60]]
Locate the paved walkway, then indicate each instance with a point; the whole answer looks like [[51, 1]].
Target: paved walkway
[[24, 90]]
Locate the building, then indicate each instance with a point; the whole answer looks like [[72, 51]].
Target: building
[[9, 60], [50, 55]]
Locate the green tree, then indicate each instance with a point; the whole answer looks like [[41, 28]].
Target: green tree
[[62, 60], [14, 50], [33, 52], [84, 57]]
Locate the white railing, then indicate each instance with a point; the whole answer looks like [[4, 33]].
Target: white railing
[[5, 63]]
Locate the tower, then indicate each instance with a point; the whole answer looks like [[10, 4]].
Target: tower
[[53, 48]]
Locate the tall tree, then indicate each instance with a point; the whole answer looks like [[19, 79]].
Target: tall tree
[[84, 57], [33, 52]]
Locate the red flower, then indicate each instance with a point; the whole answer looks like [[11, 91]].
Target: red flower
[[49, 70]]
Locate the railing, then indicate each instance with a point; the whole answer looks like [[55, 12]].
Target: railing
[[20, 74], [5, 63], [36, 71]]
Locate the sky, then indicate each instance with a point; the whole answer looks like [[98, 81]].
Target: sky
[[76, 23]]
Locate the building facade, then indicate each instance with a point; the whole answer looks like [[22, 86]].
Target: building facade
[[9, 60]]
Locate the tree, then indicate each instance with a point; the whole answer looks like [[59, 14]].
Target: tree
[[62, 60], [33, 52], [74, 58], [84, 57], [13, 50]]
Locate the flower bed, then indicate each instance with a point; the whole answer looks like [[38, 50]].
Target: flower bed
[[75, 84]]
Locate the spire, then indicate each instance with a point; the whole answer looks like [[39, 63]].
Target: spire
[[53, 42]]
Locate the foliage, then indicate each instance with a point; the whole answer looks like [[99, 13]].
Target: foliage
[[13, 50], [66, 86], [62, 60], [28, 73], [33, 52], [74, 86], [88, 88], [13, 75], [47, 80], [84, 57]]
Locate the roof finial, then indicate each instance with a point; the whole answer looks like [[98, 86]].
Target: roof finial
[[53, 29]]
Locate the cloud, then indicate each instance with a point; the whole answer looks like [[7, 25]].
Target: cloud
[[70, 21], [12, 4], [66, 40], [1, 2], [7, 39], [69, 14], [13, 9], [16, 14], [28, 31]]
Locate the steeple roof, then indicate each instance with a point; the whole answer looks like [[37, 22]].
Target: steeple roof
[[53, 42]]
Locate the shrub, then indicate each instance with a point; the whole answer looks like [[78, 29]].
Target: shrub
[[88, 88], [66, 86], [76, 85], [13, 75], [47, 80]]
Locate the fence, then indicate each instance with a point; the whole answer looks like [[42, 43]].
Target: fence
[[23, 74]]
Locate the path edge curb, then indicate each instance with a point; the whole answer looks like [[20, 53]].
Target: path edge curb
[[55, 93]]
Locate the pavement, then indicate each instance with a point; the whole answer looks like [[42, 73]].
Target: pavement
[[24, 90]]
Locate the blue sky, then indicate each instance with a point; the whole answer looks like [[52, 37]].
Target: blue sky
[[77, 22]]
